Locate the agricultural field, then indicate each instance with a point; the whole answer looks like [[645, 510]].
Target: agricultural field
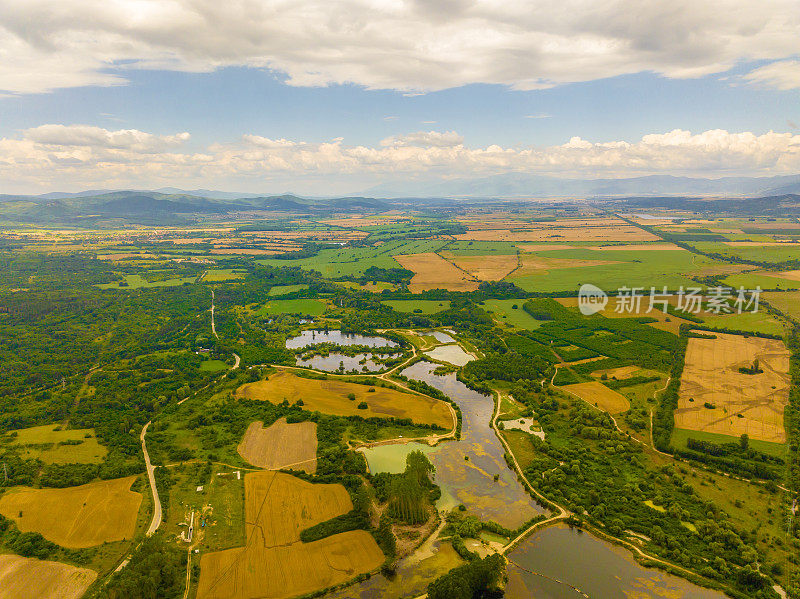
[[716, 397], [331, 397], [786, 302], [27, 578], [220, 275], [306, 307], [597, 394], [484, 267], [424, 306], [510, 312], [431, 271], [281, 445], [284, 289], [274, 562], [76, 517], [53, 445], [213, 366]]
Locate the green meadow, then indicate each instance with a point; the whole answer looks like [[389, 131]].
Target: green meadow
[[306, 307], [427, 306], [504, 310]]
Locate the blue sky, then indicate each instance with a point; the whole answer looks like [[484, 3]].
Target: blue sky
[[226, 104], [318, 96]]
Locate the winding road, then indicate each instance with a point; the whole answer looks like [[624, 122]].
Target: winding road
[[156, 521]]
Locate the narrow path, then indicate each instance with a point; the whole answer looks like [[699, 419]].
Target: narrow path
[[156, 521]]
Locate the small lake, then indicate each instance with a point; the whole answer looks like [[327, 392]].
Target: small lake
[[331, 363], [468, 481], [596, 567], [452, 354], [441, 337], [313, 337]]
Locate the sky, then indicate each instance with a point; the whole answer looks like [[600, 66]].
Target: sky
[[321, 97]]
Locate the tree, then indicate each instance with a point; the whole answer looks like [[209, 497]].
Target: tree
[[744, 442]]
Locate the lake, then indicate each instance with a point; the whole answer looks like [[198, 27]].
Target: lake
[[313, 337]]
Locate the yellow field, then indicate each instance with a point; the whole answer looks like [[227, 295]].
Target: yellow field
[[744, 403], [792, 275], [785, 301], [484, 268], [599, 395], [76, 517], [274, 562], [330, 397], [26, 578], [281, 445], [89, 451], [622, 232], [623, 372], [431, 271]]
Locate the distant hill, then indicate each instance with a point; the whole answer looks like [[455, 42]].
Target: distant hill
[[516, 185]]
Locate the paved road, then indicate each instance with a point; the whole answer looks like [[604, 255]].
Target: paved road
[[156, 521]]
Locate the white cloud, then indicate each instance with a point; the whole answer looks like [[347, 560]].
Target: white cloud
[[410, 46], [541, 115], [783, 75], [56, 157], [97, 137], [435, 139]]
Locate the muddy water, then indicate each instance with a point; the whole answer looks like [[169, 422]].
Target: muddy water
[[596, 567], [312, 337], [468, 481], [452, 354], [331, 362]]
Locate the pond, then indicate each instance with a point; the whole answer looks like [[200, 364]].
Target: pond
[[469, 481], [452, 354], [313, 337], [441, 337], [596, 567], [331, 363]]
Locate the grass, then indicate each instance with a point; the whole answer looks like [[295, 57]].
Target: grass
[[760, 322], [426, 306], [504, 311], [331, 397], [597, 394], [76, 517], [306, 307], [521, 446], [42, 442], [139, 282], [680, 436], [757, 279], [510, 409], [764, 253], [649, 503], [371, 286], [786, 302], [217, 275], [213, 366], [631, 268], [284, 289]]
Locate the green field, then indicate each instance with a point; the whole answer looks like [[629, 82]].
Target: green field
[[631, 268], [753, 280], [216, 275], [758, 322], [341, 262], [482, 248], [769, 253], [138, 282], [306, 307], [503, 310], [213, 366], [55, 446], [284, 289], [680, 435], [427, 306]]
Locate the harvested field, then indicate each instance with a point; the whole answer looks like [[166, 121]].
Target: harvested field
[[638, 247], [431, 271], [786, 301], [792, 275], [485, 268], [623, 232], [599, 395], [742, 403], [274, 562], [281, 445], [76, 517], [621, 373], [27, 578], [330, 396]]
